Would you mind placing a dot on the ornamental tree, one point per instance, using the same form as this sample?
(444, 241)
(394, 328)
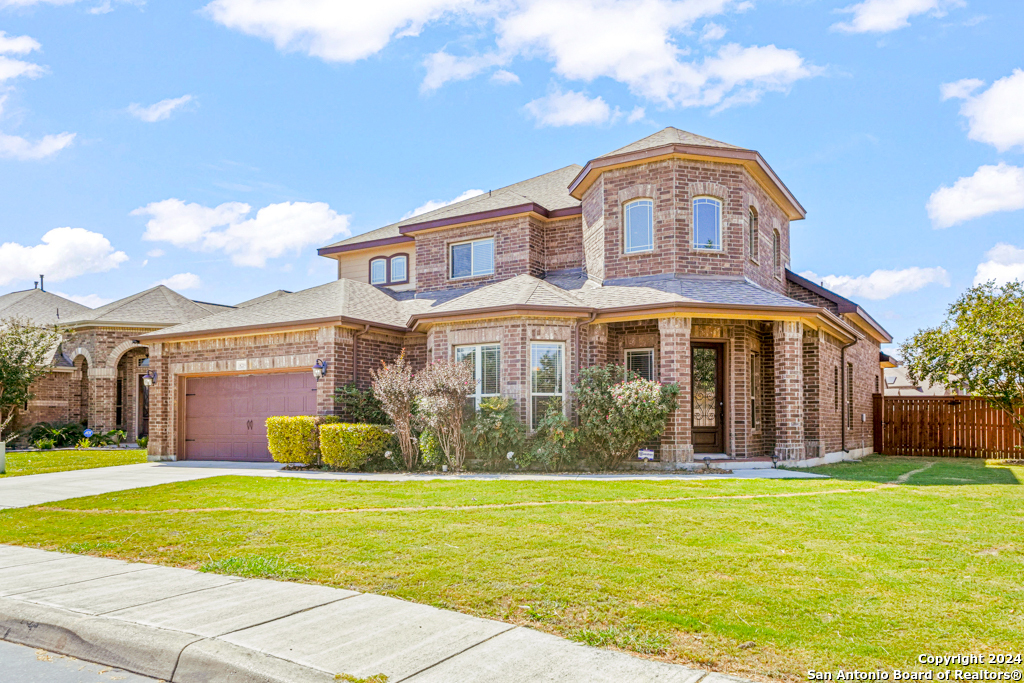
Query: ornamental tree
(394, 389)
(26, 354)
(978, 348)
(442, 389)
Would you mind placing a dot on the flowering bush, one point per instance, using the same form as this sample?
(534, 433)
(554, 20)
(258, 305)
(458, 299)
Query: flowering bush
(441, 390)
(394, 389)
(495, 431)
(619, 412)
(555, 445)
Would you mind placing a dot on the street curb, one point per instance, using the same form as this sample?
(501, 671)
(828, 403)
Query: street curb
(217, 661)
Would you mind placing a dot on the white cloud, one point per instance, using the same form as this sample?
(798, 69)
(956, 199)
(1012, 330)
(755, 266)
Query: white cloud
(989, 190)
(569, 109)
(15, 68)
(443, 67)
(18, 45)
(712, 32)
(881, 284)
(995, 116)
(504, 77)
(160, 111)
(182, 281)
(276, 230)
(155, 253)
(1005, 263)
(90, 300)
(64, 253)
(636, 115)
(15, 147)
(437, 204)
(882, 16)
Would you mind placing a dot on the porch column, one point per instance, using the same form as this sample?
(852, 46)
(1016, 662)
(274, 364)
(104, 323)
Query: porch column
(676, 442)
(162, 437)
(333, 345)
(789, 390)
(102, 398)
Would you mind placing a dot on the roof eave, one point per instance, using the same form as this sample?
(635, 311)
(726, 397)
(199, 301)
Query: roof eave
(844, 305)
(266, 328)
(359, 246)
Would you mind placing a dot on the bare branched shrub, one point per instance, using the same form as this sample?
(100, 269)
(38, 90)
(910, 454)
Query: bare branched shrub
(394, 388)
(442, 388)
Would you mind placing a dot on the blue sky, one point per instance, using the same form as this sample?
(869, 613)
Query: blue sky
(216, 145)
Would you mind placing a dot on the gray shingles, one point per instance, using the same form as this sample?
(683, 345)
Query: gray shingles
(158, 306)
(41, 308)
(670, 136)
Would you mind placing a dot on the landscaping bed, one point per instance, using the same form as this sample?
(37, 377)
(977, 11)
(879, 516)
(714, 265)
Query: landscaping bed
(20, 463)
(763, 578)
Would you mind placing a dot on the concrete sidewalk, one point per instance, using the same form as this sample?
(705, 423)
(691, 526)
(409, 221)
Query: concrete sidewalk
(187, 627)
(36, 489)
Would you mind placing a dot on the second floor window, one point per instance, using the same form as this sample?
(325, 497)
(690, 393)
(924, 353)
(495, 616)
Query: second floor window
(707, 223)
(754, 239)
(389, 270)
(470, 259)
(379, 271)
(639, 225)
(777, 253)
(399, 269)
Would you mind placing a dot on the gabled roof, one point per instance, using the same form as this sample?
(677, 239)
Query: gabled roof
(156, 307)
(40, 307)
(340, 301)
(670, 136)
(523, 291)
(549, 192)
(261, 299)
(845, 307)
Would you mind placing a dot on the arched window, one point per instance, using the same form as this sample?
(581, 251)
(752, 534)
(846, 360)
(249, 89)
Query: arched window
(777, 253)
(378, 271)
(707, 223)
(639, 225)
(399, 269)
(753, 236)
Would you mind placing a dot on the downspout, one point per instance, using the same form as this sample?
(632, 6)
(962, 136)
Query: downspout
(842, 395)
(355, 354)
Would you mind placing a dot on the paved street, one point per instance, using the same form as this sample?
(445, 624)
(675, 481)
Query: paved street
(23, 664)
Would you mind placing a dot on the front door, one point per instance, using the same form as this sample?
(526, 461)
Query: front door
(708, 398)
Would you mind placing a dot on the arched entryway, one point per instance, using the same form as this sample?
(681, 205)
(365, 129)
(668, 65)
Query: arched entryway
(131, 395)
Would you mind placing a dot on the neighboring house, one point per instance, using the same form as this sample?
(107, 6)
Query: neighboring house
(97, 372)
(897, 383)
(670, 255)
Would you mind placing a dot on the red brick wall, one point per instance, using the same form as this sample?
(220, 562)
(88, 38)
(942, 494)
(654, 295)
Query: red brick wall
(563, 244)
(52, 399)
(795, 291)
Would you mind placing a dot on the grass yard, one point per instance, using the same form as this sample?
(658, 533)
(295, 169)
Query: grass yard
(40, 462)
(754, 577)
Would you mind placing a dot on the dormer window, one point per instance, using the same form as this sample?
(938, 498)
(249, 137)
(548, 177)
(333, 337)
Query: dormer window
(379, 271)
(399, 268)
(389, 270)
(639, 225)
(473, 259)
(707, 223)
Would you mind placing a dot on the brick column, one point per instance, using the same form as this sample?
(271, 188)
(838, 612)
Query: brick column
(334, 346)
(161, 445)
(789, 390)
(102, 398)
(676, 442)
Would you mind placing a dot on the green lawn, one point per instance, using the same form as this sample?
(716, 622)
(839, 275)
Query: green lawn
(847, 572)
(38, 462)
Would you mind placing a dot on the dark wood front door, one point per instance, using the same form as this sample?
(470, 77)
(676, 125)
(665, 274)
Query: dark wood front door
(708, 398)
(225, 417)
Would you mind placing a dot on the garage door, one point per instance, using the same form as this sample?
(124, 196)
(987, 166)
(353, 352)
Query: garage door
(225, 417)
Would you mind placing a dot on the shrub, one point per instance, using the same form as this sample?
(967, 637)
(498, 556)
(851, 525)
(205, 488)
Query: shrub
(430, 449)
(360, 406)
(349, 445)
(618, 412)
(62, 434)
(296, 438)
(116, 436)
(495, 431)
(395, 391)
(84, 443)
(143, 441)
(441, 389)
(45, 444)
(555, 445)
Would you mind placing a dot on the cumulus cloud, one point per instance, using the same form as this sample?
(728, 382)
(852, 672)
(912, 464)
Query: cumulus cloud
(1005, 263)
(275, 230)
(881, 284)
(437, 204)
(569, 109)
(635, 42)
(16, 147)
(504, 77)
(182, 281)
(90, 300)
(160, 111)
(991, 189)
(712, 32)
(62, 254)
(18, 45)
(995, 116)
(883, 16)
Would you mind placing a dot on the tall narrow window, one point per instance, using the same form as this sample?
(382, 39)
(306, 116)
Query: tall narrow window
(471, 259)
(835, 389)
(486, 362)
(378, 271)
(755, 390)
(876, 384)
(707, 223)
(849, 395)
(752, 237)
(641, 361)
(639, 225)
(777, 253)
(399, 269)
(547, 382)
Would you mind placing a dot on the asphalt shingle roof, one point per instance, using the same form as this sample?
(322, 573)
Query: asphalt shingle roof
(669, 136)
(265, 297)
(640, 291)
(158, 307)
(520, 290)
(42, 308)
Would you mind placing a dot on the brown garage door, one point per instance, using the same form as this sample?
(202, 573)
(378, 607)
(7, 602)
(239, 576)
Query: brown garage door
(225, 417)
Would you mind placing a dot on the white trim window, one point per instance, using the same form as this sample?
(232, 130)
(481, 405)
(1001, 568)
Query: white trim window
(754, 236)
(641, 361)
(638, 224)
(547, 378)
(472, 259)
(755, 390)
(486, 361)
(378, 271)
(707, 223)
(777, 253)
(399, 268)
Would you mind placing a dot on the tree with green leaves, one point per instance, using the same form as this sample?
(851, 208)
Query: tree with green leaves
(26, 354)
(979, 348)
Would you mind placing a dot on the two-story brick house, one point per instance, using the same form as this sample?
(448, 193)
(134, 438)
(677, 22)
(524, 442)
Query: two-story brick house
(670, 255)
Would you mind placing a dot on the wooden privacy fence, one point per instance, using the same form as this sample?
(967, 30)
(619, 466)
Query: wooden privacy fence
(943, 426)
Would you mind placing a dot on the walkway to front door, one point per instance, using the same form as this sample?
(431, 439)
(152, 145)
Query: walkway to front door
(708, 398)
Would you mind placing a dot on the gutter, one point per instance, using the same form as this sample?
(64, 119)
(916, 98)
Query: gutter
(267, 328)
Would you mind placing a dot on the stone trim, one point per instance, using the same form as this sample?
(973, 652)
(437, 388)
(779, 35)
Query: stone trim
(639, 191)
(244, 365)
(120, 350)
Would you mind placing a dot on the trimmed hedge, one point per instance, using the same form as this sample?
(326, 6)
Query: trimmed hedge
(296, 439)
(348, 446)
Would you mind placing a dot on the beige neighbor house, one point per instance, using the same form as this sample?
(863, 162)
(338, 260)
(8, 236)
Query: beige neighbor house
(669, 255)
(97, 372)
